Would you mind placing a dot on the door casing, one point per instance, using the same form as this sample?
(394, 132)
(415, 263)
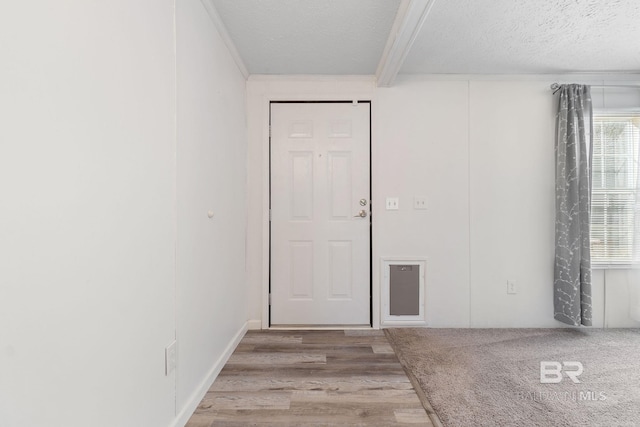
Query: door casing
(371, 265)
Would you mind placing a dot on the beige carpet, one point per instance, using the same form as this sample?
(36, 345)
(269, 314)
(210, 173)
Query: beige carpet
(491, 377)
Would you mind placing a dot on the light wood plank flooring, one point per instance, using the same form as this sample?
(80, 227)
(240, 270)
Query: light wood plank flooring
(311, 378)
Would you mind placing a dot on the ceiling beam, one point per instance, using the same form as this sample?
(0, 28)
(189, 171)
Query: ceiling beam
(406, 27)
(226, 38)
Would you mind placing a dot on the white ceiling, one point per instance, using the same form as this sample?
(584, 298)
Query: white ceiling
(528, 37)
(434, 36)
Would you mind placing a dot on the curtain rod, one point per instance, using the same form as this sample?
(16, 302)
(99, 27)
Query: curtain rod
(556, 86)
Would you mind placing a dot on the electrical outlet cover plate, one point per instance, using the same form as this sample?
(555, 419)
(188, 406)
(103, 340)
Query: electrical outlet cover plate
(393, 204)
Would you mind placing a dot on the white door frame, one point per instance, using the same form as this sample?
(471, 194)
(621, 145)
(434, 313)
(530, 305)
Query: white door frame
(331, 94)
(370, 207)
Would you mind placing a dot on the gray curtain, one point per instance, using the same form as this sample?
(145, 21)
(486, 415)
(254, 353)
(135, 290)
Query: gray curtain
(572, 275)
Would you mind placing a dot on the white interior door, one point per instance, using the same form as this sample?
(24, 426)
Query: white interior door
(320, 214)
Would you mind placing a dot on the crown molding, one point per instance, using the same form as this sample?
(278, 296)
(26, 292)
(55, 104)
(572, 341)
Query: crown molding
(226, 38)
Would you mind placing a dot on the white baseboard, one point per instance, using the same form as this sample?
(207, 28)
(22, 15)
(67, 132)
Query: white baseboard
(403, 324)
(254, 325)
(194, 400)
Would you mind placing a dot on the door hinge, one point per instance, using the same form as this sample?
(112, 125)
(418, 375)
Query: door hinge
(269, 131)
(269, 214)
(269, 299)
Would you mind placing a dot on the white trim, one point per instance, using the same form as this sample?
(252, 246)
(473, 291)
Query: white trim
(593, 78)
(403, 323)
(266, 176)
(409, 21)
(194, 400)
(323, 328)
(254, 325)
(303, 96)
(376, 180)
(312, 78)
(586, 78)
(261, 90)
(226, 38)
(174, 201)
(384, 63)
(615, 266)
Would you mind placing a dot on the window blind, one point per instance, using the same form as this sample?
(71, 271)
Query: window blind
(615, 205)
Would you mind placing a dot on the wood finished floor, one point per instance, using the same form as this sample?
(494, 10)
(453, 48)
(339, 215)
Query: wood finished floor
(311, 378)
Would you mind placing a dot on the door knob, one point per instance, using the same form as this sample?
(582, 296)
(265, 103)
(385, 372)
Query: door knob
(361, 214)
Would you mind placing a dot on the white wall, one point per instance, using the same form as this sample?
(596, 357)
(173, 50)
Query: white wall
(512, 177)
(421, 149)
(106, 251)
(211, 294)
(481, 150)
(87, 171)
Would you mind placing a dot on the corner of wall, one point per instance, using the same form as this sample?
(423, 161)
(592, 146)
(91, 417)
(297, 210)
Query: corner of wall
(194, 399)
(254, 325)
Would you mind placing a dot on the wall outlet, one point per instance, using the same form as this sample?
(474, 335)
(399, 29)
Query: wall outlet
(170, 358)
(420, 202)
(512, 289)
(393, 203)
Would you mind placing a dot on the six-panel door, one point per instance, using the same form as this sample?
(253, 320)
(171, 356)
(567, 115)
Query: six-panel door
(320, 214)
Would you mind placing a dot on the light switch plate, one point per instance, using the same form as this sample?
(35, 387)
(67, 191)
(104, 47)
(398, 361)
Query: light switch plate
(420, 202)
(393, 203)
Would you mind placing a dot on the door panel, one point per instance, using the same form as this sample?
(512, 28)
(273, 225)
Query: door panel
(340, 192)
(320, 246)
(301, 185)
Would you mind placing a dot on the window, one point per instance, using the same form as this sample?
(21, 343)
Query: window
(615, 205)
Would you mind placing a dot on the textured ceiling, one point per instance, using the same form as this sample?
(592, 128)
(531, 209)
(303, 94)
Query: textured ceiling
(457, 36)
(528, 36)
(309, 36)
